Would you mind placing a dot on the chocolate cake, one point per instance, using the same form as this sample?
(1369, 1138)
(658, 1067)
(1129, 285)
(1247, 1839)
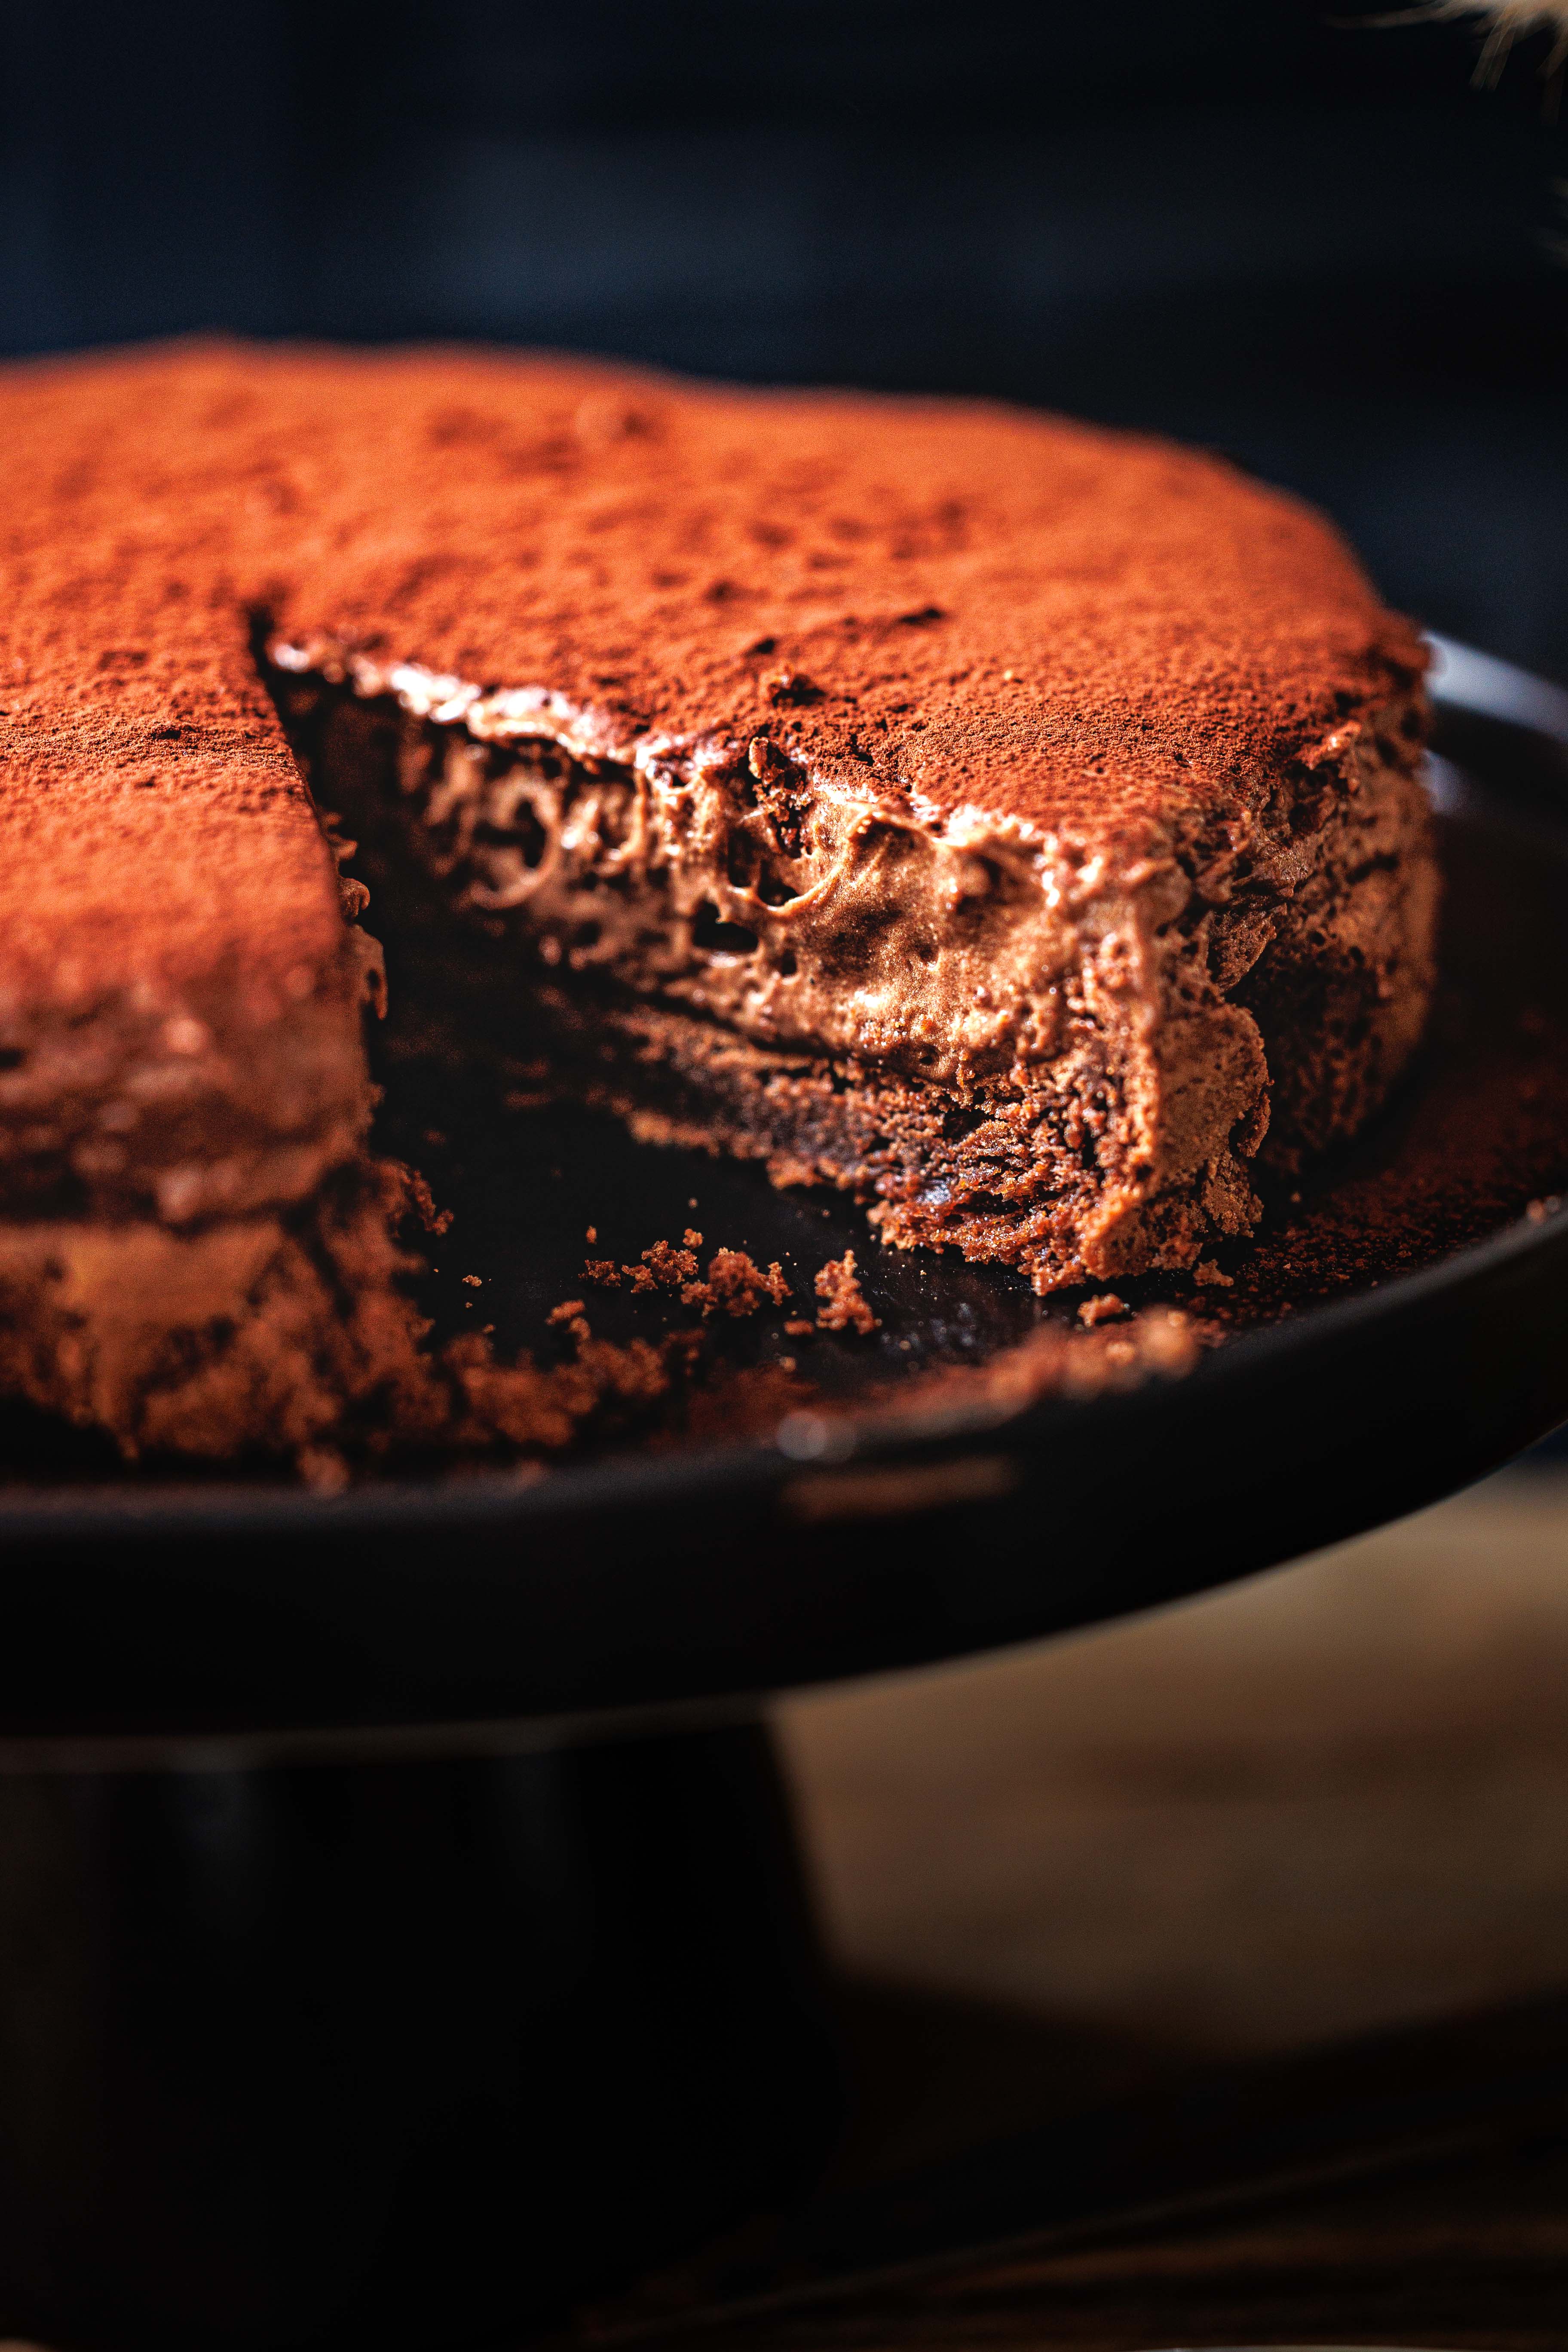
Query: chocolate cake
(1014, 824)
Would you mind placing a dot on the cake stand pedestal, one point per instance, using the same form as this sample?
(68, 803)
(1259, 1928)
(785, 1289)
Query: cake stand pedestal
(409, 2053)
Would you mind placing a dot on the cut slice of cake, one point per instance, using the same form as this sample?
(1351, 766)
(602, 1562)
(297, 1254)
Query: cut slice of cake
(1015, 823)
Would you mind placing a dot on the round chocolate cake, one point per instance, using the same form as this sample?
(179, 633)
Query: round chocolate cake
(1014, 825)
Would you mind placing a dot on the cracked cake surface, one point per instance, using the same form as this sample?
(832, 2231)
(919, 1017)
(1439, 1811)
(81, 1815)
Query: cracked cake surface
(1013, 823)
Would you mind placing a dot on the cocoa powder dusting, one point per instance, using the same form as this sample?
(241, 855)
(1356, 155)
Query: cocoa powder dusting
(973, 529)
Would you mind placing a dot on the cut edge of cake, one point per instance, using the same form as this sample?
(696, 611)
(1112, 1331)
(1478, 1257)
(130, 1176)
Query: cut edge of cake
(1058, 1054)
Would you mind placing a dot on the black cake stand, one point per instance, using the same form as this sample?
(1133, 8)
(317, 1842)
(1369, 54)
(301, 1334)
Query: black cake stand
(400, 1928)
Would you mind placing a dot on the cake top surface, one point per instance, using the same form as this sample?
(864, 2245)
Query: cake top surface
(946, 606)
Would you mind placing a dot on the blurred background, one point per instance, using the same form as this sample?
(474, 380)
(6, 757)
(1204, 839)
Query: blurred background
(1330, 1802)
(1262, 225)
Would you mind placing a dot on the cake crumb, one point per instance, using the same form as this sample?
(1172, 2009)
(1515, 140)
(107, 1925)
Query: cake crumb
(1538, 1211)
(663, 1268)
(592, 1235)
(322, 1468)
(735, 1285)
(522, 1404)
(566, 1312)
(1210, 1276)
(1103, 1309)
(735, 1282)
(845, 1306)
(798, 1330)
(474, 1281)
(433, 1220)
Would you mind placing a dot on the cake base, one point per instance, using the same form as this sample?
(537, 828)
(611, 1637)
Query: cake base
(1006, 1182)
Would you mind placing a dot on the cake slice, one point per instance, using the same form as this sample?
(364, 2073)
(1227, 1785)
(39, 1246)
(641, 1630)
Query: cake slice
(1014, 824)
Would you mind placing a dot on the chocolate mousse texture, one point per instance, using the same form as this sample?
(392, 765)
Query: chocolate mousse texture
(1014, 824)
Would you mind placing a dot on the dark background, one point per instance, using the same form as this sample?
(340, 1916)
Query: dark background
(1318, 247)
